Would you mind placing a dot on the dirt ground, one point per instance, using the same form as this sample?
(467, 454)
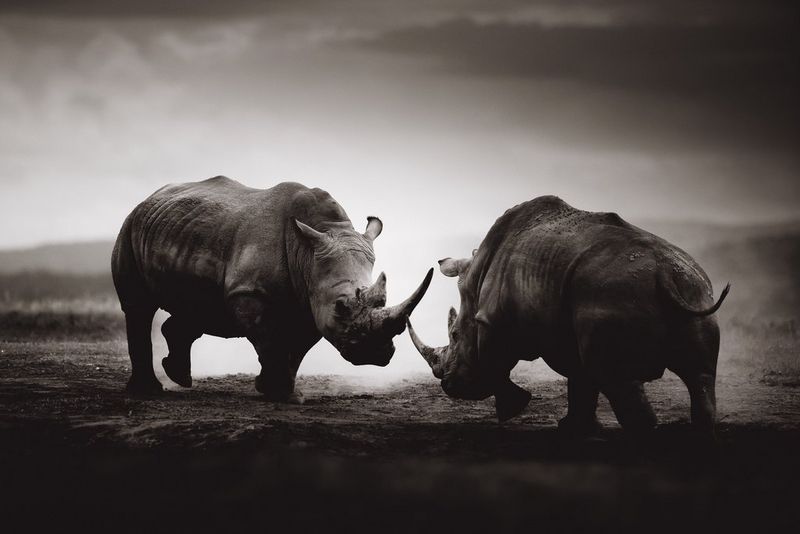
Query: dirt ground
(77, 452)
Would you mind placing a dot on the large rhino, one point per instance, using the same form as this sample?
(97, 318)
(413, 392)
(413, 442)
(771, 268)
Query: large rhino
(281, 266)
(604, 303)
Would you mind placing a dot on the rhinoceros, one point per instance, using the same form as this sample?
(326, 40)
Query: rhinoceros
(602, 302)
(282, 267)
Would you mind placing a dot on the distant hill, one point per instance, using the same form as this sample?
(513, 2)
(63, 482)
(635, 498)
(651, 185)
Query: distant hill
(708, 242)
(90, 257)
(694, 236)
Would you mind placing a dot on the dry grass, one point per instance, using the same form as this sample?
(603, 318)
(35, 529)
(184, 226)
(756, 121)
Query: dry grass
(44, 305)
(83, 318)
(764, 348)
(767, 348)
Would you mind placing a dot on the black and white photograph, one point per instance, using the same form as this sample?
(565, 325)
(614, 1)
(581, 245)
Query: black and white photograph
(467, 266)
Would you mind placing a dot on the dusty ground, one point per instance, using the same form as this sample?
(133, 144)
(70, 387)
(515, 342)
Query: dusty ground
(76, 450)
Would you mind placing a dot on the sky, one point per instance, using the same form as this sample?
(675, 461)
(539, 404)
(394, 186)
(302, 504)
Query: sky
(434, 115)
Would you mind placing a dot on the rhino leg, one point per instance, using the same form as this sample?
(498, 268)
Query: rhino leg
(180, 334)
(694, 351)
(279, 364)
(138, 322)
(630, 405)
(279, 345)
(581, 419)
(702, 394)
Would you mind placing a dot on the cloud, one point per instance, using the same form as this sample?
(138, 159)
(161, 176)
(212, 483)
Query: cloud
(136, 8)
(745, 73)
(660, 57)
(209, 43)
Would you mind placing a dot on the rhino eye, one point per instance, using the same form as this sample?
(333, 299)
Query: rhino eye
(341, 309)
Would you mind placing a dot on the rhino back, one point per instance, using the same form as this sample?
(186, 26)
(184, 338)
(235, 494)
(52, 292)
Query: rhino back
(529, 251)
(189, 246)
(543, 259)
(523, 266)
(184, 239)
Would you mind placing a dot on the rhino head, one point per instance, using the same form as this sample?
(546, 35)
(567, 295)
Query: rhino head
(473, 364)
(349, 309)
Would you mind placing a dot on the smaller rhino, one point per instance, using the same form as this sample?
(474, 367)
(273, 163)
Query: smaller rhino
(604, 303)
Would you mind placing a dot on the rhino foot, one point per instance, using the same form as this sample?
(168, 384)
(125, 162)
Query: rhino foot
(278, 394)
(179, 374)
(295, 398)
(579, 427)
(144, 387)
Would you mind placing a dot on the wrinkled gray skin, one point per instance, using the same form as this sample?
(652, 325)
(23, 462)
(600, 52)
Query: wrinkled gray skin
(281, 266)
(604, 303)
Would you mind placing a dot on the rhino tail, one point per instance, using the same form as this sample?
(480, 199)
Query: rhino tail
(667, 285)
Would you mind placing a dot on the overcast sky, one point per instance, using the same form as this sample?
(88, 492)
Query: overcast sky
(452, 111)
(434, 115)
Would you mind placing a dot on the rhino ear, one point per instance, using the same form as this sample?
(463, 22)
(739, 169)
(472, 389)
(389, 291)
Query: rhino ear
(448, 267)
(308, 233)
(451, 318)
(451, 267)
(374, 228)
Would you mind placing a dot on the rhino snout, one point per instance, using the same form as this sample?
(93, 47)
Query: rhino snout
(380, 356)
(455, 386)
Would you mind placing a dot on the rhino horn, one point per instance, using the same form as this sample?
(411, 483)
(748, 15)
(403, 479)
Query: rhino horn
(375, 295)
(393, 319)
(434, 356)
(398, 314)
